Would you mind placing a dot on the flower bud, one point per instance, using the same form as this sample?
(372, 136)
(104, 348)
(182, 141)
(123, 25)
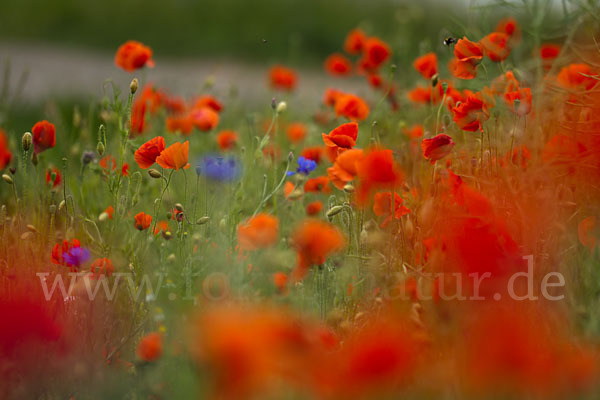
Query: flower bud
(100, 149)
(203, 220)
(61, 205)
(27, 140)
(281, 107)
(133, 86)
(103, 217)
(434, 80)
(349, 188)
(154, 173)
(7, 179)
(335, 210)
(179, 207)
(31, 228)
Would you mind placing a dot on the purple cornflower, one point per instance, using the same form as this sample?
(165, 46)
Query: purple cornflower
(219, 168)
(305, 166)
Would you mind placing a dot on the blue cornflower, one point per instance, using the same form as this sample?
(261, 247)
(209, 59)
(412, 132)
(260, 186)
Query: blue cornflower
(76, 256)
(305, 166)
(219, 168)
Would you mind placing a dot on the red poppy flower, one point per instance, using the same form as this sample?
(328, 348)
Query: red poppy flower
(345, 168)
(138, 117)
(110, 212)
(204, 118)
(142, 221)
(420, 95)
(375, 80)
(180, 123)
(375, 53)
(377, 170)
(208, 101)
(5, 154)
(355, 41)
(549, 52)
(258, 232)
(227, 140)
(102, 267)
(520, 156)
(146, 155)
(175, 156)
(340, 139)
(150, 347)
(426, 65)
(283, 78)
(352, 107)
(44, 136)
(314, 208)
(313, 153)
(414, 132)
(524, 97)
(382, 206)
(467, 56)
(53, 177)
(510, 27)
(437, 147)
(133, 55)
(108, 163)
(577, 76)
(338, 65)
(471, 114)
(320, 184)
(314, 241)
(331, 95)
(280, 280)
(496, 46)
(296, 132)
(60, 248)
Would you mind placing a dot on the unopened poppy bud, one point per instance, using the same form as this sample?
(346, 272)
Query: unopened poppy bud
(154, 173)
(281, 107)
(333, 211)
(348, 188)
(179, 207)
(444, 86)
(7, 179)
(100, 149)
(133, 86)
(434, 80)
(203, 220)
(34, 159)
(393, 67)
(295, 195)
(103, 217)
(61, 205)
(290, 156)
(26, 141)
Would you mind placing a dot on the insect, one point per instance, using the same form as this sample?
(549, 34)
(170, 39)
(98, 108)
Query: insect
(449, 40)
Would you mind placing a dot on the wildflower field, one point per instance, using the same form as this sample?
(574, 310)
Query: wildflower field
(427, 227)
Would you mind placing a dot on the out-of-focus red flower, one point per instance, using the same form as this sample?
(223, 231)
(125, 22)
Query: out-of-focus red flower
(110, 210)
(338, 65)
(150, 347)
(138, 117)
(108, 163)
(524, 97)
(352, 107)
(180, 123)
(345, 168)
(102, 267)
(375, 53)
(133, 55)
(355, 42)
(314, 241)
(204, 118)
(587, 231)
(382, 207)
(548, 53)
(471, 114)
(510, 27)
(340, 139)
(5, 154)
(437, 147)
(283, 78)
(520, 156)
(426, 65)
(331, 95)
(375, 80)
(145, 156)
(142, 221)
(280, 280)
(175, 156)
(208, 101)
(496, 46)
(577, 77)
(258, 232)
(377, 170)
(296, 132)
(314, 208)
(414, 132)
(227, 140)
(320, 184)
(53, 177)
(60, 248)
(44, 136)
(313, 153)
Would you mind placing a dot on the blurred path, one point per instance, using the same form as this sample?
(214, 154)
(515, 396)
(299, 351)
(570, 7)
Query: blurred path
(62, 71)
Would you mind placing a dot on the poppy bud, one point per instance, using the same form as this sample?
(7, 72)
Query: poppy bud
(133, 86)
(203, 220)
(223, 223)
(61, 205)
(434, 80)
(103, 217)
(154, 173)
(27, 140)
(179, 207)
(333, 211)
(281, 107)
(7, 179)
(348, 188)
(290, 156)
(100, 149)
